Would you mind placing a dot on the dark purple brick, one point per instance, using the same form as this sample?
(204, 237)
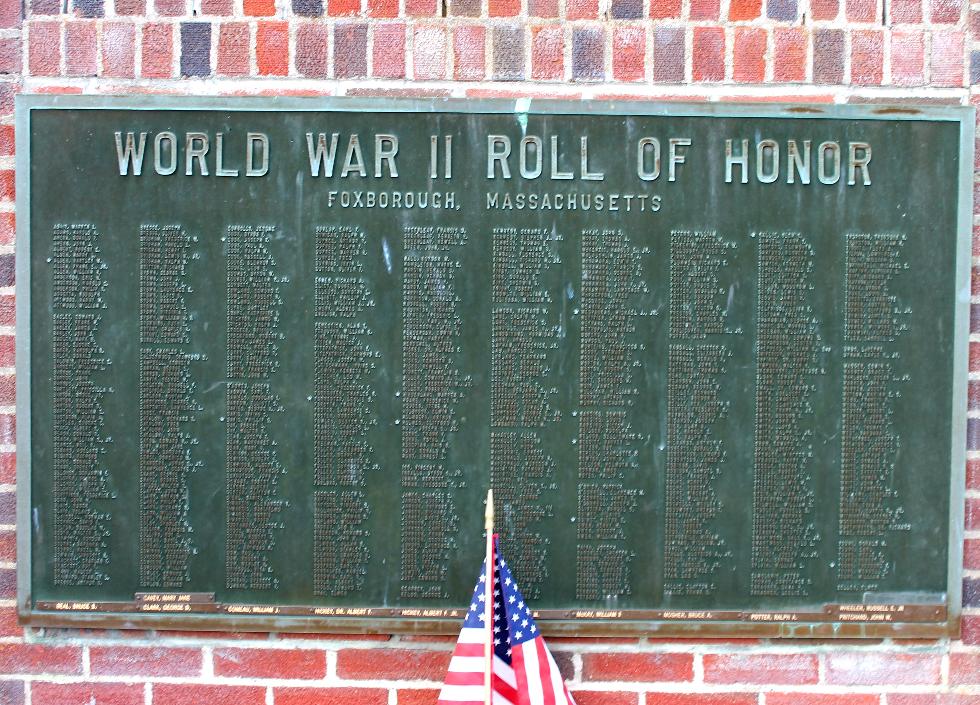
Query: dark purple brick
(465, 8)
(588, 57)
(89, 8)
(975, 318)
(308, 8)
(46, 7)
(782, 10)
(627, 9)
(974, 68)
(971, 592)
(508, 53)
(195, 48)
(566, 666)
(668, 54)
(828, 55)
(8, 507)
(973, 434)
(6, 270)
(11, 692)
(350, 50)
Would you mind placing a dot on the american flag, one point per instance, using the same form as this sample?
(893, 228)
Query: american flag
(524, 673)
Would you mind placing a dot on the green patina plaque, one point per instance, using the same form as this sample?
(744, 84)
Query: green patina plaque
(273, 353)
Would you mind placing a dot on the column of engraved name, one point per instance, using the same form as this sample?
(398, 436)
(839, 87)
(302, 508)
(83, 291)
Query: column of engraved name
(344, 411)
(168, 409)
(697, 359)
(252, 464)
(81, 480)
(608, 445)
(874, 320)
(783, 531)
(525, 336)
(432, 387)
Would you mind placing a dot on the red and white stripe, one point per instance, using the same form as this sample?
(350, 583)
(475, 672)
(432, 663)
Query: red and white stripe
(465, 684)
(538, 676)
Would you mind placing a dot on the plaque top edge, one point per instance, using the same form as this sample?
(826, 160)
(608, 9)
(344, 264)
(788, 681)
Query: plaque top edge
(640, 106)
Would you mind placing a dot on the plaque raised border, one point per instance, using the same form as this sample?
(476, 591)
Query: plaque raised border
(922, 620)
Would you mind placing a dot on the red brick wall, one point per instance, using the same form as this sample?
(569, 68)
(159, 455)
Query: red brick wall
(836, 51)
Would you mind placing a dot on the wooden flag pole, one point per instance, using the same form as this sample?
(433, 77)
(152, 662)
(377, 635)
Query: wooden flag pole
(488, 602)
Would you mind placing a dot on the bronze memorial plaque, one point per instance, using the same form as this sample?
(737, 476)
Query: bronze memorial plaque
(272, 353)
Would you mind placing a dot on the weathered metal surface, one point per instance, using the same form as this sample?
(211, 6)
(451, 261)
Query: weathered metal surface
(272, 353)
